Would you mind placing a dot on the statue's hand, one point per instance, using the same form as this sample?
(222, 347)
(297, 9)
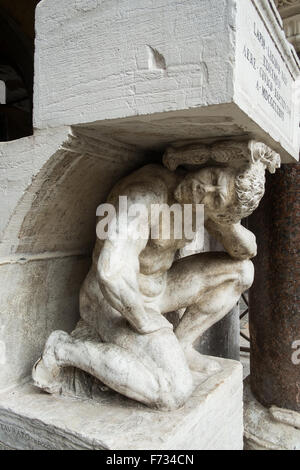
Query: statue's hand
(238, 241)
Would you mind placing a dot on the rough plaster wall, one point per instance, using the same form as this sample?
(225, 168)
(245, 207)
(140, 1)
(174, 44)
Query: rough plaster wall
(159, 55)
(57, 212)
(20, 161)
(36, 298)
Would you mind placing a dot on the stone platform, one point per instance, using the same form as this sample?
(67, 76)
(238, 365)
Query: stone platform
(211, 419)
(263, 429)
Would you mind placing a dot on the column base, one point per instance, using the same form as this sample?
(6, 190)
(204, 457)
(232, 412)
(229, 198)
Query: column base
(269, 428)
(212, 419)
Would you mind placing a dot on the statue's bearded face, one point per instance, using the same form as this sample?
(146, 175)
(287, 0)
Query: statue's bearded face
(214, 187)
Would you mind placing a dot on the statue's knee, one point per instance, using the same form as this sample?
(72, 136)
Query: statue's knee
(246, 274)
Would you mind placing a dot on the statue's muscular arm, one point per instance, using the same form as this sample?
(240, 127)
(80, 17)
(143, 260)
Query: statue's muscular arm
(239, 242)
(118, 269)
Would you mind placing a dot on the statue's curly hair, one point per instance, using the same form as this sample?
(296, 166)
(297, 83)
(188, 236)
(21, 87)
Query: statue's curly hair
(250, 182)
(249, 190)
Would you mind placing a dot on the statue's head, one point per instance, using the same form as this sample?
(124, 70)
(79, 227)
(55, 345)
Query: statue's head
(230, 193)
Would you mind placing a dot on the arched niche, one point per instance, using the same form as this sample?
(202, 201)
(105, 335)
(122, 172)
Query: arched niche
(53, 183)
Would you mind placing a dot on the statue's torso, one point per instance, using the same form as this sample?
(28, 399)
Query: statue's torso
(152, 184)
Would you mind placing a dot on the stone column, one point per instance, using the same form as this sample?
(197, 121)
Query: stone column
(223, 338)
(274, 296)
(274, 317)
(272, 398)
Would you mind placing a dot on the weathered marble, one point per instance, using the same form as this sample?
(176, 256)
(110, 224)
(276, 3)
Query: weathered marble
(124, 338)
(212, 419)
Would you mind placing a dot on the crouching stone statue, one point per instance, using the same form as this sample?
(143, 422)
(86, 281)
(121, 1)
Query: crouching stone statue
(123, 338)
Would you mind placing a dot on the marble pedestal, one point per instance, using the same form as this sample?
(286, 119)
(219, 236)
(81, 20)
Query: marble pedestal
(211, 419)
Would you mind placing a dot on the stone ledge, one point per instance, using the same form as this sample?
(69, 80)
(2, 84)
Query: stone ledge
(262, 431)
(211, 419)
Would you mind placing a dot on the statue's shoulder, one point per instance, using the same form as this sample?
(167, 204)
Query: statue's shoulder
(153, 178)
(153, 172)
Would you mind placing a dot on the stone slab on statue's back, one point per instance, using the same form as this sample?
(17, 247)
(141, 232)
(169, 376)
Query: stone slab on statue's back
(157, 72)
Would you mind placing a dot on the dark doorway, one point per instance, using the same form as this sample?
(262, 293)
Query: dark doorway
(16, 67)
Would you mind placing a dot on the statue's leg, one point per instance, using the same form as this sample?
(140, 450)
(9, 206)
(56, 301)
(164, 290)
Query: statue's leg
(151, 368)
(112, 365)
(209, 284)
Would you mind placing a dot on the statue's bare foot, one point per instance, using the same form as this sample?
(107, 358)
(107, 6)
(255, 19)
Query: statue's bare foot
(199, 363)
(46, 371)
